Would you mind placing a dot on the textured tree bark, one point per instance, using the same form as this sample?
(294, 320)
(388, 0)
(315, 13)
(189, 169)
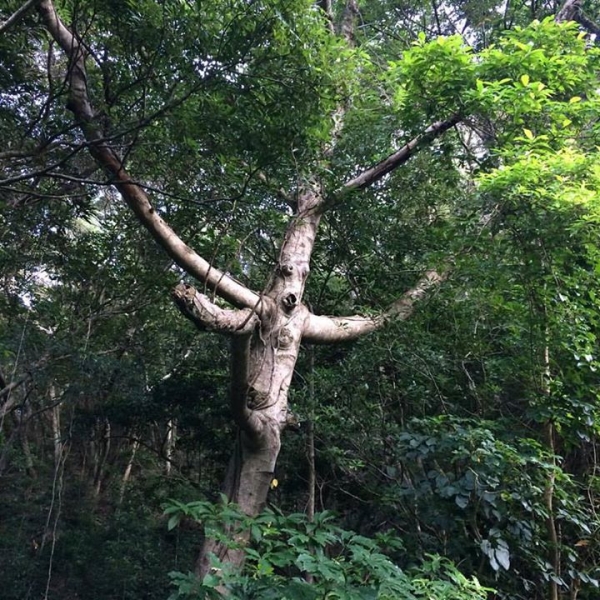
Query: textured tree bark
(572, 10)
(263, 363)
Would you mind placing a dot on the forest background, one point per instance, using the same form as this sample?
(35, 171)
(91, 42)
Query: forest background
(435, 163)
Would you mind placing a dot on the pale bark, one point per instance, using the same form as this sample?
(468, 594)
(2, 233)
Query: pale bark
(206, 315)
(347, 26)
(56, 428)
(12, 400)
(127, 473)
(572, 10)
(568, 11)
(26, 448)
(170, 444)
(549, 489)
(101, 457)
(327, 9)
(329, 330)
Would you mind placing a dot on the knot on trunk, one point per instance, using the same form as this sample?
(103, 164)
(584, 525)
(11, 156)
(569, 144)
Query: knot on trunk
(289, 302)
(285, 338)
(257, 400)
(286, 269)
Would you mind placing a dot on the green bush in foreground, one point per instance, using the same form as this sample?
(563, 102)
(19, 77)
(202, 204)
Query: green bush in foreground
(292, 558)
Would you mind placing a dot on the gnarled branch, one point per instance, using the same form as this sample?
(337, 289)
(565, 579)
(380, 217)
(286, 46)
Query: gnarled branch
(328, 330)
(572, 10)
(207, 316)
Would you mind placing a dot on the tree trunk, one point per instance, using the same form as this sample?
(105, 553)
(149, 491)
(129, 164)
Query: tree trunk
(310, 441)
(128, 468)
(170, 445)
(263, 360)
(101, 457)
(56, 427)
(247, 483)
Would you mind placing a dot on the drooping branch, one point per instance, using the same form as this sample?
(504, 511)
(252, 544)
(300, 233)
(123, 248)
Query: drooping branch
(328, 330)
(398, 158)
(325, 6)
(135, 197)
(239, 324)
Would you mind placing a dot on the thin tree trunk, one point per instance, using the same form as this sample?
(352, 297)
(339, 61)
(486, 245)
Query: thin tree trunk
(312, 473)
(4, 457)
(310, 447)
(56, 428)
(550, 521)
(170, 445)
(549, 434)
(310, 440)
(102, 458)
(128, 468)
(24, 440)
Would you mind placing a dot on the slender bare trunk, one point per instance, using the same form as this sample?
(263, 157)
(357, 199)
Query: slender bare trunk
(310, 440)
(310, 447)
(127, 474)
(549, 435)
(102, 457)
(170, 445)
(26, 448)
(4, 456)
(56, 428)
(550, 521)
(312, 473)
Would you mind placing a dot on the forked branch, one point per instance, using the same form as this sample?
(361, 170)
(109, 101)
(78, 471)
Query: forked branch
(136, 198)
(207, 316)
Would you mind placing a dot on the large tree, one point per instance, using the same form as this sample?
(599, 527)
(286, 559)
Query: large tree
(279, 102)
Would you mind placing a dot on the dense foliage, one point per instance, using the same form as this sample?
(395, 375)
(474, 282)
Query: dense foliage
(444, 456)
